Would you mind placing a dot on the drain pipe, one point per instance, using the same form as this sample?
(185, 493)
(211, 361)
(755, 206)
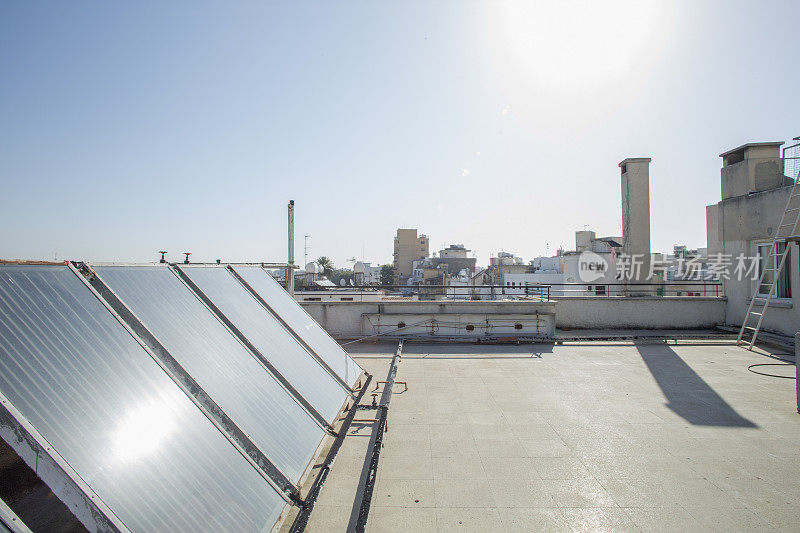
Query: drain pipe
(371, 467)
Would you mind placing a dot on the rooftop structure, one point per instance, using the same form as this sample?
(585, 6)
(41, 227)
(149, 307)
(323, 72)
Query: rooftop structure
(642, 436)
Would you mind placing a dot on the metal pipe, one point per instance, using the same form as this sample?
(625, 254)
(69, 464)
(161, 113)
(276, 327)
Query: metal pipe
(371, 468)
(290, 268)
(301, 520)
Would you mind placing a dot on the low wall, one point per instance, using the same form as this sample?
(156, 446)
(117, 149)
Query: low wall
(617, 312)
(520, 318)
(442, 318)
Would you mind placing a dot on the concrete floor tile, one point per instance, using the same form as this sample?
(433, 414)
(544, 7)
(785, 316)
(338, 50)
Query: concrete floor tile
(543, 520)
(458, 468)
(639, 493)
(560, 468)
(466, 520)
(398, 519)
(580, 493)
(510, 447)
(508, 467)
(532, 493)
(463, 493)
(406, 447)
(405, 467)
(326, 518)
(403, 493)
(724, 520)
(786, 519)
(546, 448)
(598, 520)
(663, 519)
(450, 431)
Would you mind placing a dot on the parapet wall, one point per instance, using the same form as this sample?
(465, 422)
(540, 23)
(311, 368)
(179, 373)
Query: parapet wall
(515, 318)
(692, 312)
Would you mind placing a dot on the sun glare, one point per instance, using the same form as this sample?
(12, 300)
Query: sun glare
(563, 45)
(142, 431)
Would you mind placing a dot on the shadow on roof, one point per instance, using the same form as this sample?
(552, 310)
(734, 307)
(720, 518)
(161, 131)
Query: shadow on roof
(688, 395)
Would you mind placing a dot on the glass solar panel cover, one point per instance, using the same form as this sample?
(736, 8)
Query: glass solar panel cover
(112, 413)
(271, 338)
(225, 369)
(301, 322)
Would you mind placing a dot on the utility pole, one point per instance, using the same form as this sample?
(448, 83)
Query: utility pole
(290, 267)
(305, 249)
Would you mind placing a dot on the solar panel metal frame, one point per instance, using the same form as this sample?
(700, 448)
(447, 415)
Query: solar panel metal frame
(10, 521)
(263, 302)
(55, 471)
(218, 417)
(255, 352)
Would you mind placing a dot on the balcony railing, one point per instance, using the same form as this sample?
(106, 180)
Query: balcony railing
(537, 292)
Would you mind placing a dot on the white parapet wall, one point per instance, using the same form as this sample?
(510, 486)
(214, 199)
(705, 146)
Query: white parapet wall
(439, 318)
(515, 318)
(670, 312)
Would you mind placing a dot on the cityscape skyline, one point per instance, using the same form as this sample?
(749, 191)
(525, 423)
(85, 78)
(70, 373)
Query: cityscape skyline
(189, 127)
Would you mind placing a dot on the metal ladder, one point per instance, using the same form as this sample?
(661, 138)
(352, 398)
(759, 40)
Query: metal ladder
(781, 236)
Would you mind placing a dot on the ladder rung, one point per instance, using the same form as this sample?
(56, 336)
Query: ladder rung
(794, 208)
(787, 225)
(748, 327)
(754, 313)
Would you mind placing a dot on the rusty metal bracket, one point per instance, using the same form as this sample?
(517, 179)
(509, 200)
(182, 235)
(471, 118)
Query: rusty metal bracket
(403, 383)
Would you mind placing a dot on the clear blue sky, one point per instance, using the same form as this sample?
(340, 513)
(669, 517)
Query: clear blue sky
(125, 129)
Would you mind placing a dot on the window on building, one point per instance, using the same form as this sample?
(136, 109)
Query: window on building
(783, 289)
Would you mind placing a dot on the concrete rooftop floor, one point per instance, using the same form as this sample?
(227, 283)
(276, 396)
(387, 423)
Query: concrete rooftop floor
(575, 437)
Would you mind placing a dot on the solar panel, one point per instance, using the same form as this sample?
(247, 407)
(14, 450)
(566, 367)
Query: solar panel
(104, 405)
(219, 363)
(271, 338)
(301, 322)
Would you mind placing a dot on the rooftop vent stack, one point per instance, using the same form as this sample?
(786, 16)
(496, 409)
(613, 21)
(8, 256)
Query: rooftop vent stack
(290, 267)
(163, 258)
(636, 216)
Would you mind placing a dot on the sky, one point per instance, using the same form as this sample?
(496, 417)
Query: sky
(128, 128)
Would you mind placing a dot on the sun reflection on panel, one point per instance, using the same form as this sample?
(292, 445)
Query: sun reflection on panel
(142, 431)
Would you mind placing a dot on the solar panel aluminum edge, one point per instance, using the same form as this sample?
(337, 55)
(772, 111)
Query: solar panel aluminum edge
(85, 384)
(219, 363)
(301, 322)
(271, 338)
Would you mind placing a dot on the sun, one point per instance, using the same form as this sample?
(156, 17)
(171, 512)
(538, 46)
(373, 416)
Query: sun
(567, 44)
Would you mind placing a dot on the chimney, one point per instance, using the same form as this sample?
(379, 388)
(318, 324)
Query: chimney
(290, 268)
(636, 214)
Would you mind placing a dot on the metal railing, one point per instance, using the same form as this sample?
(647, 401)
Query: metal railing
(537, 292)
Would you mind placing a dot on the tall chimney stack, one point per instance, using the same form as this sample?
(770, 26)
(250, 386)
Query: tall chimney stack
(290, 268)
(636, 215)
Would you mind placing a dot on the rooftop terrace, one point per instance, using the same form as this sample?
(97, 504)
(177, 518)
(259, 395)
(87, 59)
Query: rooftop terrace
(589, 436)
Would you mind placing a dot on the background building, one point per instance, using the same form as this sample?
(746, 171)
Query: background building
(366, 274)
(754, 195)
(408, 247)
